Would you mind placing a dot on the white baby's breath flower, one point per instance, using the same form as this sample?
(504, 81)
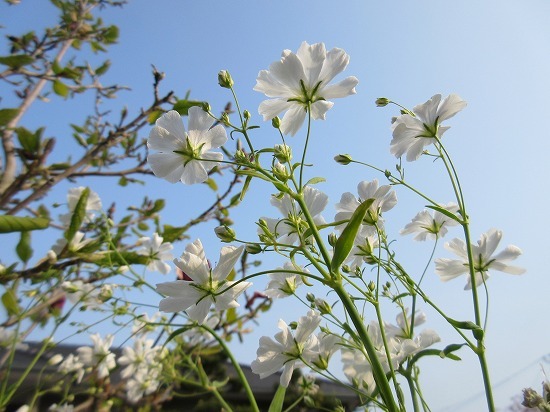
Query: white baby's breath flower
(411, 134)
(301, 80)
(431, 225)
(284, 284)
(72, 364)
(185, 156)
(287, 350)
(483, 256)
(99, 356)
(75, 244)
(157, 251)
(198, 295)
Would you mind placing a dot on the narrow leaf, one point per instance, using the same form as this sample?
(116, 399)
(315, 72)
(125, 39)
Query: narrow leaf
(344, 244)
(60, 88)
(20, 224)
(278, 400)
(16, 61)
(445, 212)
(9, 301)
(23, 248)
(315, 180)
(79, 213)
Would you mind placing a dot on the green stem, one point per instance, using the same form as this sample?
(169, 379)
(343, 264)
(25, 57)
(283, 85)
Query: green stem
(378, 371)
(238, 369)
(307, 141)
(295, 403)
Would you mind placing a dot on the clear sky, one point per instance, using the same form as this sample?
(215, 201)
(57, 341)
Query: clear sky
(494, 54)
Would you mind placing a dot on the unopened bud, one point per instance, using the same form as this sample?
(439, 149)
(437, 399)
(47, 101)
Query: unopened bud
(323, 306)
(382, 101)
(225, 233)
(293, 325)
(253, 248)
(531, 399)
(224, 79)
(332, 239)
(55, 359)
(283, 153)
(372, 286)
(246, 115)
(225, 119)
(241, 157)
(280, 172)
(276, 122)
(310, 297)
(206, 107)
(343, 159)
(346, 269)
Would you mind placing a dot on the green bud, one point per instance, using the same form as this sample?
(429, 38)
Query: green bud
(206, 107)
(382, 101)
(225, 119)
(225, 234)
(280, 172)
(253, 248)
(372, 286)
(531, 399)
(241, 157)
(323, 306)
(224, 79)
(293, 325)
(283, 153)
(343, 159)
(276, 122)
(310, 297)
(246, 115)
(346, 269)
(332, 239)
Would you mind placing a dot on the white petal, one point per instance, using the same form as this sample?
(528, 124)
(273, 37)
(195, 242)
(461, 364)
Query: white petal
(511, 270)
(164, 141)
(172, 122)
(319, 108)
(510, 253)
(228, 257)
(448, 269)
(199, 312)
(194, 172)
(199, 119)
(217, 136)
(272, 107)
(312, 58)
(343, 88)
(336, 62)
(427, 112)
(450, 106)
(266, 83)
(293, 120)
(289, 71)
(166, 165)
(287, 374)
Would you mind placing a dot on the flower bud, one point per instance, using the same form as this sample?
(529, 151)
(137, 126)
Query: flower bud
(283, 153)
(241, 157)
(310, 297)
(225, 80)
(343, 159)
(55, 359)
(280, 172)
(346, 268)
(372, 286)
(206, 107)
(246, 115)
(225, 233)
(276, 122)
(531, 399)
(332, 239)
(293, 325)
(382, 101)
(323, 306)
(253, 248)
(225, 119)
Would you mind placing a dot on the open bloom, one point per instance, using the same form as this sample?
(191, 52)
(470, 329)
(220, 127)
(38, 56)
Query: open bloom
(384, 200)
(283, 284)
(411, 134)
(203, 290)
(99, 356)
(301, 80)
(287, 229)
(287, 351)
(431, 226)
(483, 256)
(185, 155)
(157, 251)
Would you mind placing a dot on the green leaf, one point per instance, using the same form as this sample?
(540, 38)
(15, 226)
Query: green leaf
(183, 106)
(21, 224)
(60, 88)
(344, 244)
(9, 300)
(173, 233)
(7, 115)
(278, 400)
(154, 115)
(445, 212)
(23, 248)
(211, 184)
(315, 180)
(29, 141)
(103, 68)
(110, 35)
(157, 207)
(79, 213)
(245, 189)
(16, 61)
(462, 324)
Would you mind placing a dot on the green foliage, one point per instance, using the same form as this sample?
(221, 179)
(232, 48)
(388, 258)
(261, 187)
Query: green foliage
(20, 224)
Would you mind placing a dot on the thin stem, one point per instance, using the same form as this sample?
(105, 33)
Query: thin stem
(305, 145)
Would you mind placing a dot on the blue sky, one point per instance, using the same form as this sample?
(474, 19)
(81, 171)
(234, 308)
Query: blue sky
(494, 54)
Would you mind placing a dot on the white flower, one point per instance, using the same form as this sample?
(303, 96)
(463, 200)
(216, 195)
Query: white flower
(287, 351)
(98, 357)
(72, 364)
(364, 247)
(200, 336)
(301, 79)
(61, 408)
(142, 383)
(93, 205)
(483, 257)
(85, 293)
(140, 356)
(357, 368)
(198, 295)
(412, 133)
(294, 221)
(144, 324)
(75, 244)
(157, 251)
(428, 226)
(284, 284)
(384, 200)
(185, 155)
